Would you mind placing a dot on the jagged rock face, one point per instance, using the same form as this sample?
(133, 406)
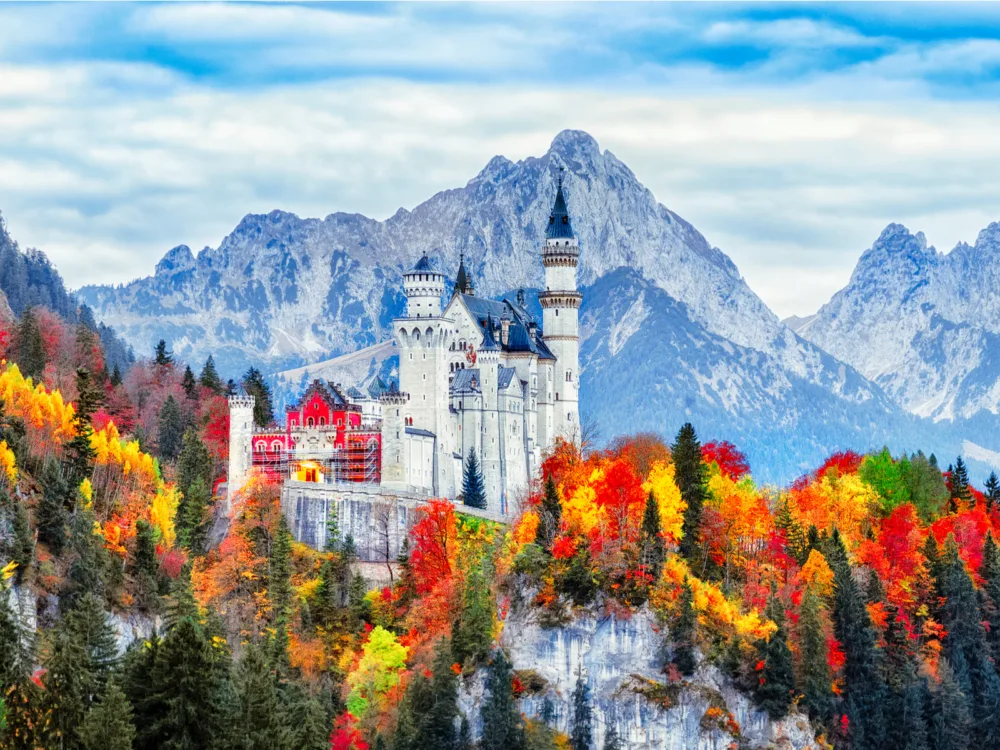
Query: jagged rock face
(923, 325)
(621, 659)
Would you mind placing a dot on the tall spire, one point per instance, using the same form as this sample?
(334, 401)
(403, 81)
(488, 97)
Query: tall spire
(559, 226)
(463, 284)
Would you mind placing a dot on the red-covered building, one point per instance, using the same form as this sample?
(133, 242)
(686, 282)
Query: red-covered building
(324, 440)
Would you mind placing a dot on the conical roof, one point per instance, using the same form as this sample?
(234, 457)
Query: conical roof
(559, 226)
(463, 285)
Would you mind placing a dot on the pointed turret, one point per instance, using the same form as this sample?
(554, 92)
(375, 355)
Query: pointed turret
(559, 224)
(463, 284)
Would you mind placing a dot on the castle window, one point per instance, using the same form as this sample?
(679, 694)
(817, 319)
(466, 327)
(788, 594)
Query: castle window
(310, 422)
(322, 421)
(293, 422)
(557, 395)
(557, 312)
(569, 376)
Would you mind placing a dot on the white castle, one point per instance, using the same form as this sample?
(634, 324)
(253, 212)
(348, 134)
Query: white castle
(477, 375)
(481, 375)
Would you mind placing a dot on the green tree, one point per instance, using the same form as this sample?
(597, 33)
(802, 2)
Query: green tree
(958, 483)
(80, 453)
(612, 741)
(795, 536)
(907, 690)
(992, 488)
(28, 350)
(209, 377)
(883, 475)
(464, 735)
(689, 473)
(683, 631)
(145, 566)
(170, 430)
(949, 717)
(990, 572)
(116, 376)
(814, 670)
(928, 491)
(332, 543)
(502, 725)
(472, 629)
(51, 513)
(90, 559)
(255, 385)
(188, 383)
(777, 681)
(853, 628)
(16, 658)
(257, 722)
(279, 593)
(581, 735)
(550, 515)
(194, 462)
(108, 724)
(473, 486)
(653, 549)
(161, 357)
(310, 725)
(191, 531)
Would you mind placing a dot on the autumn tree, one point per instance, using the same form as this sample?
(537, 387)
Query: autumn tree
(473, 486)
(690, 478)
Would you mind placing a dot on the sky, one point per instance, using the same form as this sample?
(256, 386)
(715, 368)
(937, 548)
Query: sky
(788, 134)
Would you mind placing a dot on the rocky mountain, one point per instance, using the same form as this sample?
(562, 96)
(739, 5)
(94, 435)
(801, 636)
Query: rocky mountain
(922, 324)
(671, 330)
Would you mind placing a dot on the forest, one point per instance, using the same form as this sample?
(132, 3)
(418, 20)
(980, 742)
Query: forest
(138, 611)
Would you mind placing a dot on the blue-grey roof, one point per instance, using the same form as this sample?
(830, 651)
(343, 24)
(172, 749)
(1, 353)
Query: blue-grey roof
(543, 350)
(424, 264)
(377, 387)
(506, 375)
(488, 345)
(559, 226)
(419, 432)
(466, 381)
(355, 394)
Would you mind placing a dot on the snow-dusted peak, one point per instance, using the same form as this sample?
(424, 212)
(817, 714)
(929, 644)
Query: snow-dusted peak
(176, 259)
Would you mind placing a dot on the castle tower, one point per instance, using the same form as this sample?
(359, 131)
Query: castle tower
(240, 443)
(394, 468)
(560, 317)
(423, 338)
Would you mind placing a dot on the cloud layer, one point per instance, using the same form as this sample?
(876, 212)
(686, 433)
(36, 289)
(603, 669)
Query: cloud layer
(790, 137)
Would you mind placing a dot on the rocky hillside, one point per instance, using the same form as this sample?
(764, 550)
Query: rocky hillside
(922, 324)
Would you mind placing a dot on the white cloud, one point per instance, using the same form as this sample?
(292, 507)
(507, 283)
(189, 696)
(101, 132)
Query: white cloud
(787, 32)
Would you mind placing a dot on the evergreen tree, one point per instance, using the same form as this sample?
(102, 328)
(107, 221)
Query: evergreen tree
(777, 681)
(689, 473)
(194, 463)
(438, 730)
(170, 430)
(279, 593)
(612, 741)
(19, 548)
(990, 572)
(464, 735)
(145, 566)
(161, 357)
(417, 703)
(795, 536)
(907, 690)
(86, 572)
(209, 377)
(814, 670)
(473, 486)
(310, 726)
(80, 452)
(550, 515)
(502, 726)
(28, 350)
(332, 543)
(853, 628)
(472, 629)
(360, 607)
(992, 488)
(257, 724)
(949, 716)
(108, 724)
(16, 658)
(581, 735)
(188, 383)
(653, 549)
(928, 491)
(182, 707)
(254, 385)
(116, 376)
(51, 514)
(191, 530)
(683, 631)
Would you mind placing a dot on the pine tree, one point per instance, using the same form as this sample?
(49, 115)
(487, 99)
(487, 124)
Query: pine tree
(907, 690)
(472, 630)
(438, 730)
(29, 350)
(81, 453)
(21, 546)
(86, 572)
(990, 572)
(194, 463)
(581, 735)
(188, 383)
(209, 377)
(473, 486)
(464, 735)
(332, 543)
(170, 430)
(279, 594)
(551, 514)
(183, 702)
(161, 357)
(254, 385)
(108, 724)
(795, 537)
(612, 741)
(814, 670)
(416, 705)
(853, 628)
(191, 530)
(689, 473)
(51, 514)
(992, 488)
(310, 726)
(502, 726)
(145, 566)
(116, 376)
(653, 548)
(257, 722)
(949, 716)
(16, 658)
(777, 682)
(683, 632)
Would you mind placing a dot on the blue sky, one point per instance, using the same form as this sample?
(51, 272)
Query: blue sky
(788, 134)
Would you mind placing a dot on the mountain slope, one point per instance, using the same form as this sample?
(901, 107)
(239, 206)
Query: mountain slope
(923, 325)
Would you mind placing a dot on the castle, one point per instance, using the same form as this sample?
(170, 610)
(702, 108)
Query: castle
(474, 375)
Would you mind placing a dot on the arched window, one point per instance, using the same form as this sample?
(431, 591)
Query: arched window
(310, 422)
(322, 421)
(276, 446)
